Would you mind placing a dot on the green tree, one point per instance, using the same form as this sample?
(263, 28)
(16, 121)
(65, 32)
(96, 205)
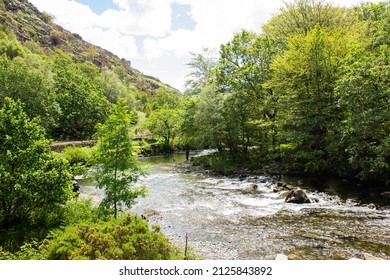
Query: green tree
(34, 183)
(81, 98)
(34, 87)
(364, 89)
(165, 124)
(243, 70)
(165, 100)
(116, 163)
(305, 77)
(203, 125)
(202, 73)
(114, 89)
(301, 16)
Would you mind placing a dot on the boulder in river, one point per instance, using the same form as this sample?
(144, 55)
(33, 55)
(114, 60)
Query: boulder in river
(385, 194)
(148, 213)
(250, 188)
(297, 195)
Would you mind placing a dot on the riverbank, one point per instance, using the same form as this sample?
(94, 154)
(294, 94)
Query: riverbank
(220, 163)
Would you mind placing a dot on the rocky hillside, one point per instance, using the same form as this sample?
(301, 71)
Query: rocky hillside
(29, 24)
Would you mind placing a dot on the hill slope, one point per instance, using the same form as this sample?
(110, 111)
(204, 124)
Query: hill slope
(29, 24)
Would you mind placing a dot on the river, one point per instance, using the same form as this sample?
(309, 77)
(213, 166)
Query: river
(224, 220)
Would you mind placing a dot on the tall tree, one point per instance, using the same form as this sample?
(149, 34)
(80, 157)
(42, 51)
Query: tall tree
(202, 67)
(33, 181)
(364, 89)
(243, 70)
(305, 77)
(165, 123)
(116, 163)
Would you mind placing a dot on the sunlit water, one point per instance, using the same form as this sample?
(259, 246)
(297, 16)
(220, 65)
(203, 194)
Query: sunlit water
(225, 220)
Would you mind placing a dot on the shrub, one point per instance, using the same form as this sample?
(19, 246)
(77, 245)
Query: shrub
(77, 155)
(125, 238)
(80, 210)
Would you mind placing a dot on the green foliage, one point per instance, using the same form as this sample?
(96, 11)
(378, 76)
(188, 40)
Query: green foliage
(34, 87)
(77, 155)
(28, 251)
(304, 77)
(164, 100)
(113, 87)
(79, 158)
(224, 163)
(80, 211)
(116, 164)
(34, 183)
(202, 67)
(82, 102)
(364, 87)
(164, 123)
(299, 17)
(125, 238)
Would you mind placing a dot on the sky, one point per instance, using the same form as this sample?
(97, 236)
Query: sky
(158, 36)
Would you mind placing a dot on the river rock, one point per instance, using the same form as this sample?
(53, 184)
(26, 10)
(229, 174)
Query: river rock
(297, 196)
(386, 194)
(369, 257)
(250, 188)
(281, 257)
(294, 256)
(148, 213)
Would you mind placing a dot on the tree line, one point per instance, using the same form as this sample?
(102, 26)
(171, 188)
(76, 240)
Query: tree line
(311, 92)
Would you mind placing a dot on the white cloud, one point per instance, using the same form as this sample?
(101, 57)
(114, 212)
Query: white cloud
(150, 20)
(139, 17)
(113, 29)
(216, 22)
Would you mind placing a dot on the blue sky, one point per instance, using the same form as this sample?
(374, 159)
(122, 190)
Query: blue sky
(157, 36)
(99, 6)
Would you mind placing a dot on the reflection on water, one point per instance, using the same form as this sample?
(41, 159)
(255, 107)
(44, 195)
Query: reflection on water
(225, 219)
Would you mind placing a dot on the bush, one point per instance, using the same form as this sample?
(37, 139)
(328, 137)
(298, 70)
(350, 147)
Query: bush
(78, 158)
(77, 155)
(29, 251)
(125, 238)
(80, 210)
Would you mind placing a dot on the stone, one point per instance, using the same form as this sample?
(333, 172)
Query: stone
(250, 188)
(386, 194)
(148, 213)
(281, 257)
(298, 196)
(369, 257)
(293, 256)
(339, 256)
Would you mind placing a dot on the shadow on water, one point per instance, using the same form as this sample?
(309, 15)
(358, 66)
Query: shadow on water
(226, 219)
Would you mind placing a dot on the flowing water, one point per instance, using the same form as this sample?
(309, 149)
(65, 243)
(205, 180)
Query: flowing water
(225, 219)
